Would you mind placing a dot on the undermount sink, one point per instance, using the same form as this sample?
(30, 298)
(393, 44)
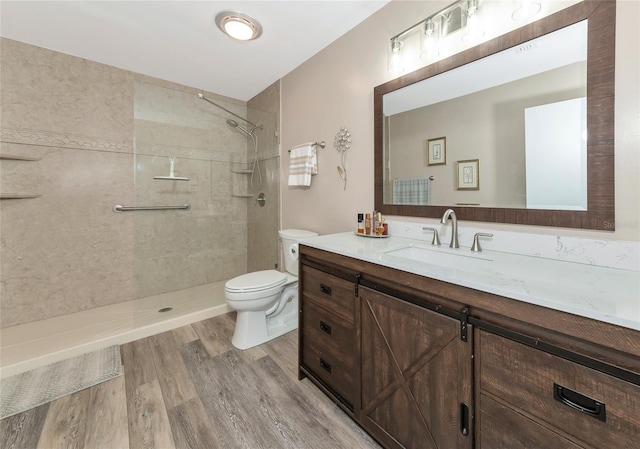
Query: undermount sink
(442, 258)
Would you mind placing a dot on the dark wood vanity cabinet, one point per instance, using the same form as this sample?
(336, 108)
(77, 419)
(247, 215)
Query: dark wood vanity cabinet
(402, 371)
(416, 375)
(530, 399)
(421, 363)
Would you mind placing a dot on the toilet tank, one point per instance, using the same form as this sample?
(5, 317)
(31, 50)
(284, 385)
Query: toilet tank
(290, 239)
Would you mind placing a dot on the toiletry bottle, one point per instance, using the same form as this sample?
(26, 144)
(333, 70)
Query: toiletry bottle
(360, 223)
(367, 224)
(379, 228)
(373, 222)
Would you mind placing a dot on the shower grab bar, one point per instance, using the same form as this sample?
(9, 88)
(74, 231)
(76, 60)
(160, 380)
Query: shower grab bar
(119, 208)
(320, 144)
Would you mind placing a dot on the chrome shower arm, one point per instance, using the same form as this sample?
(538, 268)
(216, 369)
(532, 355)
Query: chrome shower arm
(201, 96)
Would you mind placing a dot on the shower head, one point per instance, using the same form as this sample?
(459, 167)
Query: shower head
(231, 122)
(234, 124)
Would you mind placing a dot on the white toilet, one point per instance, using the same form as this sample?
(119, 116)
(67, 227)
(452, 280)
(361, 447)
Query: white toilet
(267, 301)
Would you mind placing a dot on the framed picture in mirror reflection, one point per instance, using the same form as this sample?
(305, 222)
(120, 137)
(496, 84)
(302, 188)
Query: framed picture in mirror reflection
(437, 151)
(469, 174)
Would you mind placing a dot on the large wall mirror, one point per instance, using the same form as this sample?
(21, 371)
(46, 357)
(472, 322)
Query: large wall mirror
(528, 140)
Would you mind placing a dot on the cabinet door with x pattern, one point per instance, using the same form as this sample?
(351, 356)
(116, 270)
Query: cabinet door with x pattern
(416, 375)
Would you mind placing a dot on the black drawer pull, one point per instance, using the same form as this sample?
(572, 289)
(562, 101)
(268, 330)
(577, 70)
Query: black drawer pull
(464, 419)
(325, 289)
(579, 402)
(324, 327)
(326, 366)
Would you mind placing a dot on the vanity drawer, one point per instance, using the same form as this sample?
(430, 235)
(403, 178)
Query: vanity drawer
(330, 331)
(336, 371)
(551, 390)
(330, 291)
(503, 428)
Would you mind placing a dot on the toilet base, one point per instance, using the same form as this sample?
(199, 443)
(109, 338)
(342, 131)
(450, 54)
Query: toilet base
(254, 328)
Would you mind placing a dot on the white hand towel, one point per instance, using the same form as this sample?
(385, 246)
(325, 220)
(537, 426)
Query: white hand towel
(303, 162)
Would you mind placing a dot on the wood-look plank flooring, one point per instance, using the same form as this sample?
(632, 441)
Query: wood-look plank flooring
(190, 389)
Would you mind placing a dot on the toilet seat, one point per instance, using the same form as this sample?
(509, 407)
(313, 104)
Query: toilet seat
(256, 281)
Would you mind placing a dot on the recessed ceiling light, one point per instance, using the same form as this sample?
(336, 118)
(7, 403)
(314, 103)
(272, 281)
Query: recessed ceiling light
(238, 25)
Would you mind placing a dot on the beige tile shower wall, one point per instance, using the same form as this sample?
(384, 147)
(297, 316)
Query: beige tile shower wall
(174, 250)
(66, 250)
(264, 222)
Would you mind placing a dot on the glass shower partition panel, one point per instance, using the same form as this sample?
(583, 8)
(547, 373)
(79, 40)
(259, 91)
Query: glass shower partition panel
(187, 156)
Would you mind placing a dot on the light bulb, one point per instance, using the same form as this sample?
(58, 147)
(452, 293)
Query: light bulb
(429, 43)
(238, 29)
(395, 56)
(474, 31)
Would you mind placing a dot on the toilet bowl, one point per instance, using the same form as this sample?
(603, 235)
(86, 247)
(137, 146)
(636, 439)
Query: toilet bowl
(267, 301)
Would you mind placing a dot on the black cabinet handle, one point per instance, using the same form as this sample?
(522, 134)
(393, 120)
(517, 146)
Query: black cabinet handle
(464, 419)
(325, 289)
(326, 366)
(324, 327)
(580, 402)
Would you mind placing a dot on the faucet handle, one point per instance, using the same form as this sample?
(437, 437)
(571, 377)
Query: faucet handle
(436, 239)
(476, 242)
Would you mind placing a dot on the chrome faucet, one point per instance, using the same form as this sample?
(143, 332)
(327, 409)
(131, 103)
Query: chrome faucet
(454, 227)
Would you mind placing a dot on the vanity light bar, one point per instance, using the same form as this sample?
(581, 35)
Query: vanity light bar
(444, 22)
(460, 15)
(445, 13)
(442, 13)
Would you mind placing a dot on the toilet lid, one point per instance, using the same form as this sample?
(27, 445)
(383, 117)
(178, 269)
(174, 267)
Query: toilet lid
(258, 280)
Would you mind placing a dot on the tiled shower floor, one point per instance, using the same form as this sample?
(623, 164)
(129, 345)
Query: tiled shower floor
(40, 343)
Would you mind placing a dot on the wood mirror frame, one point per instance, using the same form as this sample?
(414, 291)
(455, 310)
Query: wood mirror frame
(600, 213)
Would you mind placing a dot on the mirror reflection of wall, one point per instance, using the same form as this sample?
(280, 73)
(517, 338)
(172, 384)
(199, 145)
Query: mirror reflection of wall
(488, 125)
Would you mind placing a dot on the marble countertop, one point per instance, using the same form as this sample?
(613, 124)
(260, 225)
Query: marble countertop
(607, 294)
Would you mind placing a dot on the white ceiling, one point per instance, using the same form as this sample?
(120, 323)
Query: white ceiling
(178, 40)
